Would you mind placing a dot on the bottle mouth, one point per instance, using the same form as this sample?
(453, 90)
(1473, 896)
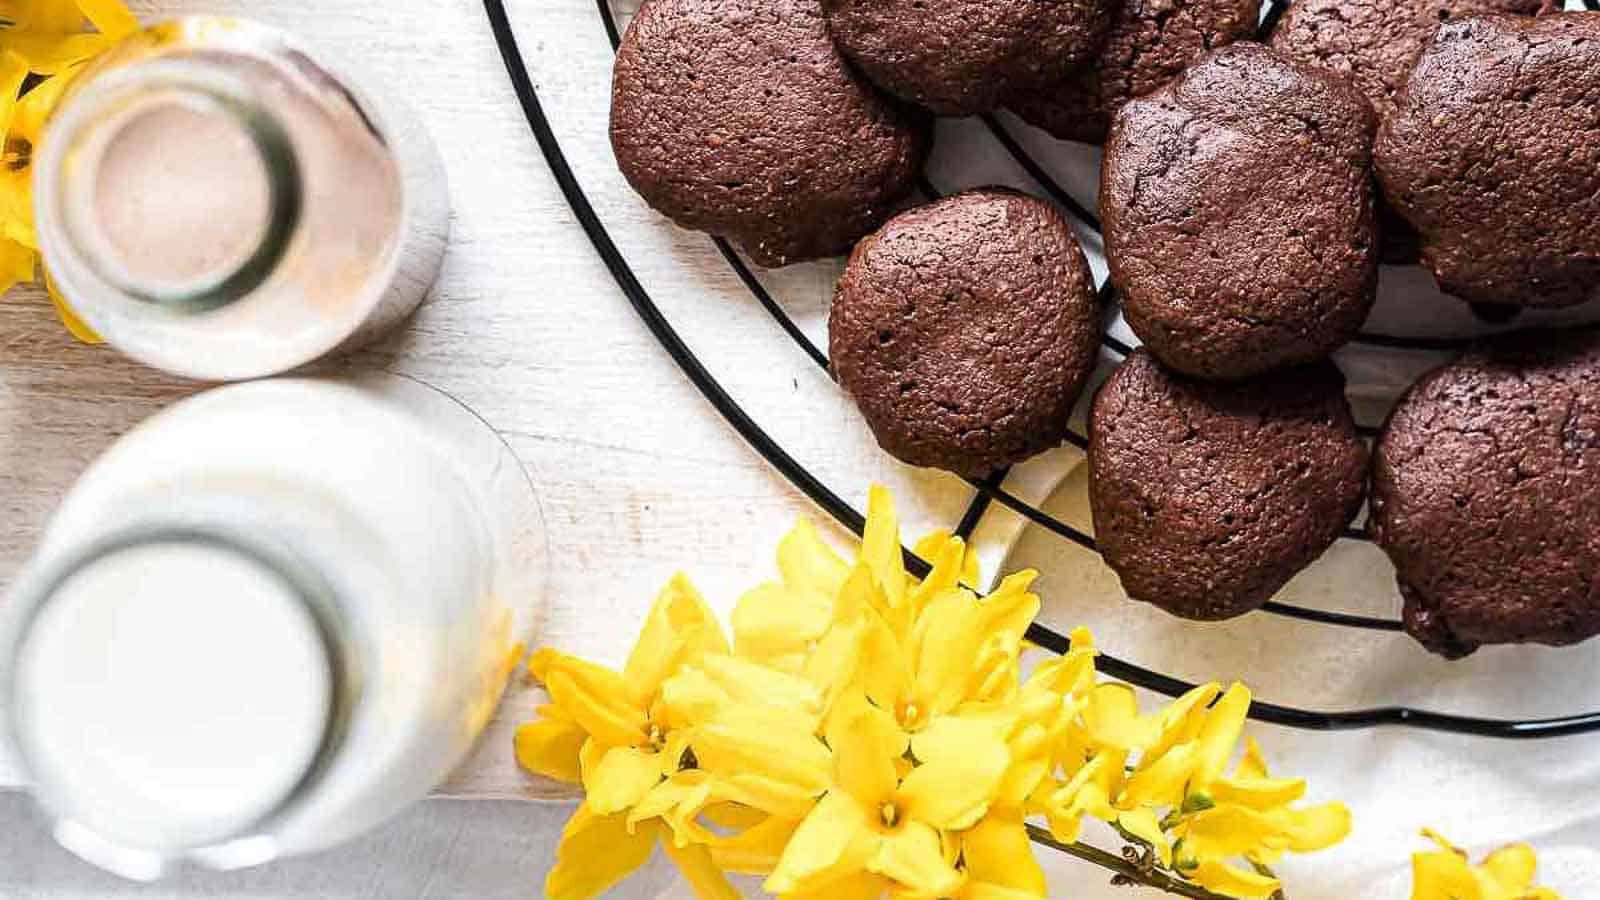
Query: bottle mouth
(175, 185)
(173, 694)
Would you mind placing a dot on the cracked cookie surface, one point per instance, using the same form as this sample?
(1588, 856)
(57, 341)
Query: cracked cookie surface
(1149, 43)
(1239, 214)
(1375, 43)
(740, 118)
(1208, 497)
(1493, 155)
(1485, 497)
(966, 329)
(958, 57)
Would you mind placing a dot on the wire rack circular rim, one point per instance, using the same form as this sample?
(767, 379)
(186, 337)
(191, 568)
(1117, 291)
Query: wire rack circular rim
(990, 490)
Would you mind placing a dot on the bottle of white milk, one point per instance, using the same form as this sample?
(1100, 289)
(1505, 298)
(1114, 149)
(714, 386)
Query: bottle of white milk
(214, 201)
(268, 619)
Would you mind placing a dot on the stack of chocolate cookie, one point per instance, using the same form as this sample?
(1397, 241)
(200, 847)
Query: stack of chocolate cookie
(1244, 226)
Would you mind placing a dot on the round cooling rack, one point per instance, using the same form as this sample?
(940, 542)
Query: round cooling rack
(1381, 361)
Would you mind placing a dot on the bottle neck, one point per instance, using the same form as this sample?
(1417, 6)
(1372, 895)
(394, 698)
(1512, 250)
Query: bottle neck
(168, 181)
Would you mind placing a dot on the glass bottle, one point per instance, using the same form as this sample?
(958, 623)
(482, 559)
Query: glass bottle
(267, 619)
(215, 201)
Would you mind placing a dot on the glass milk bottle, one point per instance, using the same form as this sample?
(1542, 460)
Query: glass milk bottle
(267, 619)
(214, 201)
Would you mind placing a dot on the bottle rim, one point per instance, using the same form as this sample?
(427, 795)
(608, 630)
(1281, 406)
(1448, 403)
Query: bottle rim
(251, 841)
(77, 135)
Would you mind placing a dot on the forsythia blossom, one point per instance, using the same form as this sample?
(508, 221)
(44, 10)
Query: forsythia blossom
(1446, 874)
(864, 733)
(44, 44)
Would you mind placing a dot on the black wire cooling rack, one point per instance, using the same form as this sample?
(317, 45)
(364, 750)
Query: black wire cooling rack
(991, 491)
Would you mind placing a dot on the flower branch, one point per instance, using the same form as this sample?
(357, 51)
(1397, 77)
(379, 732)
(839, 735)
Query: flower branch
(866, 733)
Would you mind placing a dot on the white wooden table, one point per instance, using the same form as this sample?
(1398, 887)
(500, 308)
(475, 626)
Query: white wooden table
(638, 477)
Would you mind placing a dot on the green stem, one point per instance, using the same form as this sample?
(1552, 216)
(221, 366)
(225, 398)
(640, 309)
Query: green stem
(1157, 878)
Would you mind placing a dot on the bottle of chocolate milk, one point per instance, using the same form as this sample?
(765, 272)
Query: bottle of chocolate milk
(215, 201)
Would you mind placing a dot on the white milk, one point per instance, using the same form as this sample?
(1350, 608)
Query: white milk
(268, 619)
(215, 201)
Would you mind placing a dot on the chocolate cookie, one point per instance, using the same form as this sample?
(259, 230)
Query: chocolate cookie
(1239, 215)
(1150, 42)
(1493, 154)
(965, 330)
(739, 118)
(1485, 497)
(957, 57)
(1375, 43)
(1209, 497)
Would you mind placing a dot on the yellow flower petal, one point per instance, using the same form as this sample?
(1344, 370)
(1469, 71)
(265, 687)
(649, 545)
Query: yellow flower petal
(700, 870)
(833, 668)
(952, 567)
(550, 746)
(1143, 824)
(755, 684)
(1253, 764)
(1112, 718)
(1220, 734)
(1257, 793)
(1314, 828)
(861, 886)
(1228, 831)
(863, 760)
(880, 549)
(1222, 878)
(913, 856)
(34, 109)
(998, 854)
(832, 843)
(1224, 832)
(885, 670)
(1180, 722)
(691, 697)
(809, 565)
(13, 71)
(767, 759)
(51, 54)
(734, 817)
(962, 767)
(33, 15)
(595, 853)
(1161, 782)
(1513, 867)
(955, 629)
(774, 623)
(594, 696)
(1088, 792)
(679, 630)
(1029, 750)
(1443, 875)
(678, 801)
(16, 264)
(621, 779)
(74, 325)
(754, 850)
(111, 17)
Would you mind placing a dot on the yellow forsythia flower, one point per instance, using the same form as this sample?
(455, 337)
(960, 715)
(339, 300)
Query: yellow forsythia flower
(868, 733)
(44, 44)
(1446, 874)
